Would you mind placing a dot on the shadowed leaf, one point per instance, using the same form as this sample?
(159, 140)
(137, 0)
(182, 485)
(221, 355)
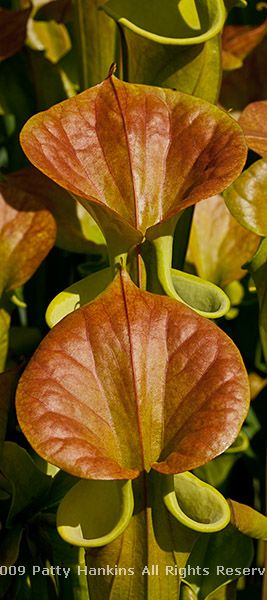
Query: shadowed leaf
(218, 245)
(135, 155)
(27, 233)
(168, 390)
(247, 84)
(8, 381)
(228, 549)
(56, 10)
(10, 545)
(253, 121)
(216, 471)
(76, 230)
(13, 26)
(29, 485)
(238, 41)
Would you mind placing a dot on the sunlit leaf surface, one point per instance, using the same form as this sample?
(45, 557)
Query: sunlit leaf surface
(246, 198)
(248, 521)
(168, 390)
(137, 153)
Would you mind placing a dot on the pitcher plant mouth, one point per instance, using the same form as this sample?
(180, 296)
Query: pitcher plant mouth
(94, 513)
(183, 23)
(205, 298)
(195, 504)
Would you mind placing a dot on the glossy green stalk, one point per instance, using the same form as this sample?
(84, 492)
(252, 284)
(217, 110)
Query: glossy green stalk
(147, 560)
(141, 552)
(96, 41)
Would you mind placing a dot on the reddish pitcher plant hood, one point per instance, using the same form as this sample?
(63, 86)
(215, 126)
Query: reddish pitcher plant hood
(135, 155)
(132, 381)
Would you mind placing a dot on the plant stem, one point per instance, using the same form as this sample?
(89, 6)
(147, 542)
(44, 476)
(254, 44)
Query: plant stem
(181, 238)
(96, 41)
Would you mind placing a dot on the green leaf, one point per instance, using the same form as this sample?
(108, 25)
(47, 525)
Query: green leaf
(23, 341)
(53, 82)
(52, 38)
(224, 554)
(94, 513)
(241, 444)
(29, 485)
(196, 504)
(144, 172)
(168, 390)
(61, 484)
(216, 471)
(187, 593)
(10, 545)
(225, 592)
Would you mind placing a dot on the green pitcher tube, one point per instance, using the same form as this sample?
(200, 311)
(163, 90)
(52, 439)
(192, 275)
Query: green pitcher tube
(172, 44)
